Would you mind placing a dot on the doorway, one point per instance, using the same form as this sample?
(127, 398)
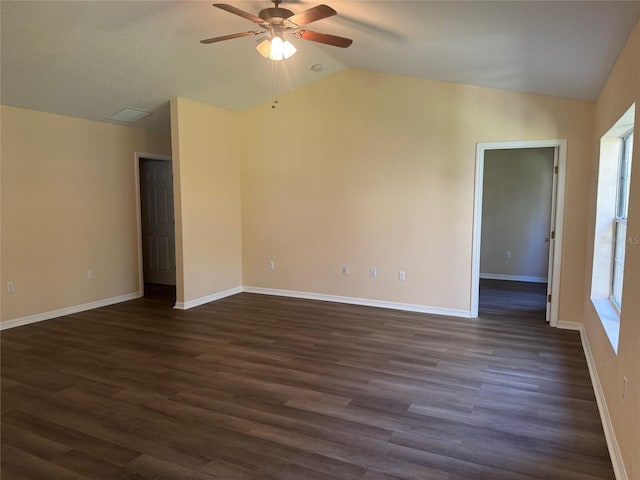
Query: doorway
(529, 251)
(157, 258)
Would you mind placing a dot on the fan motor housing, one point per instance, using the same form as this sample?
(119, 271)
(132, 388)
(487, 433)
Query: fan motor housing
(275, 16)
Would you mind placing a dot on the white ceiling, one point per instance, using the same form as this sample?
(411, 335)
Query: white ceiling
(91, 59)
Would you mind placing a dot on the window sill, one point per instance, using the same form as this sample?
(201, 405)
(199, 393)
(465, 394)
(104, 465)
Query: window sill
(610, 319)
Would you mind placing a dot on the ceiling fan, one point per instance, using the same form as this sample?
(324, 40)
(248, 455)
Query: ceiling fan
(278, 21)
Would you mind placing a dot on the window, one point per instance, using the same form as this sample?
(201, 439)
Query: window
(620, 222)
(610, 239)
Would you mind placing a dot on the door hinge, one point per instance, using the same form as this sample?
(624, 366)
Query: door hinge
(555, 169)
(549, 298)
(553, 234)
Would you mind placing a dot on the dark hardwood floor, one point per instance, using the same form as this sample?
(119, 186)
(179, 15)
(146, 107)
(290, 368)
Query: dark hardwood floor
(162, 293)
(517, 300)
(259, 387)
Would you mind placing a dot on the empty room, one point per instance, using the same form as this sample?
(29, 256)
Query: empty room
(360, 240)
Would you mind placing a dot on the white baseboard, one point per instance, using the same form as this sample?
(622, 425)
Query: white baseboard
(209, 298)
(361, 301)
(513, 278)
(39, 317)
(612, 443)
(233, 291)
(570, 326)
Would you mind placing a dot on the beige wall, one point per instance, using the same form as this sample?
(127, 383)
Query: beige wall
(380, 175)
(516, 212)
(374, 170)
(207, 190)
(620, 91)
(68, 205)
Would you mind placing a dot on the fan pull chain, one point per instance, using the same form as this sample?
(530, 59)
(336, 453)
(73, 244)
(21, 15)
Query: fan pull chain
(274, 83)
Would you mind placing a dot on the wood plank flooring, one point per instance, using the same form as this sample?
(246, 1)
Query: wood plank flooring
(256, 387)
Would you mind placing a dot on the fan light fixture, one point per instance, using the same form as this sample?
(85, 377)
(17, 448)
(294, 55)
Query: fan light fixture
(276, 49)
(275, 22)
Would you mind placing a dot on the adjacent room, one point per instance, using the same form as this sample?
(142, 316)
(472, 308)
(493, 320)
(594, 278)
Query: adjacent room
(405, 246)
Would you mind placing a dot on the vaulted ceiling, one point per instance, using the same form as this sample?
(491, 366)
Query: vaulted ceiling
(91, 59)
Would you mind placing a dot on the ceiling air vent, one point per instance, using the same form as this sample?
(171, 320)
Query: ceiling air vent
(129, 115)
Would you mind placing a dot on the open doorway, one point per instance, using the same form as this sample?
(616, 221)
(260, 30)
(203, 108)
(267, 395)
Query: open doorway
(157, 256)
(517, 226)
(516, 221)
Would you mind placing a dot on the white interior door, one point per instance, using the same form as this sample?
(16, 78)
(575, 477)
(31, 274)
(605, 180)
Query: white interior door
(157, 218)
(552, 233)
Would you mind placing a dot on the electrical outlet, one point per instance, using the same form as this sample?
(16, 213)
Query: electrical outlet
(345, 270)
(507, 255)
(401, 276)
(625, 383)
(89, 274)
(372, 272)
(272, 265)
(10, 288)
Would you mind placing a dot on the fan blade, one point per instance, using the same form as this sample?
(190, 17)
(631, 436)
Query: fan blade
(334, 40)
(229, 37)
(237, 11)
(312, 15)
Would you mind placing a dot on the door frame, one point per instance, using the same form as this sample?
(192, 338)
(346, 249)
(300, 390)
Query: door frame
(136, 164)
(557, 215)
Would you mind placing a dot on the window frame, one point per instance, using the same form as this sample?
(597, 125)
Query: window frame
(620, 219)
(607, 210)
